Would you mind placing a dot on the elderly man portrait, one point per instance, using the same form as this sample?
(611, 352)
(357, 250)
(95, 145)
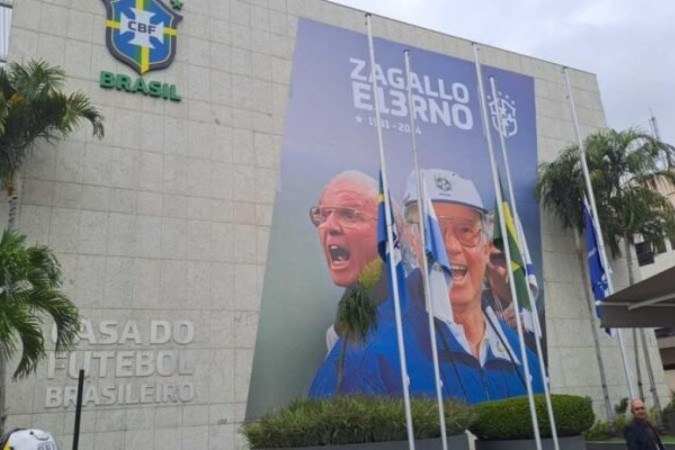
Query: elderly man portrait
(346, 220)
(479, 354)
(639, 432)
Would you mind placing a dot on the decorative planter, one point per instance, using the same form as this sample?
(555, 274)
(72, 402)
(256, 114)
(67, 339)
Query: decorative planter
(566, 443)
(457, 442)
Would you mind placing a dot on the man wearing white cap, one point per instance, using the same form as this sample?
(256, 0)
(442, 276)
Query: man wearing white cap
(27, 440)
(477, 351)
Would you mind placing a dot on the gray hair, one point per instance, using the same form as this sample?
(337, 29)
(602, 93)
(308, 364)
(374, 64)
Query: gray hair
(357, 177)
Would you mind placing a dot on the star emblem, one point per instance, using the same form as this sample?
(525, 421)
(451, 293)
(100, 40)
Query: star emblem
(177, 4)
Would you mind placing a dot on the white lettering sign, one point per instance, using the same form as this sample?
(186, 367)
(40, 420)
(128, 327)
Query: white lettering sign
(172, 359)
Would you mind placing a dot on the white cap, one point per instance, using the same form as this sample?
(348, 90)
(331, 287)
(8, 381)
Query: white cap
(444, 186)
(31, 440)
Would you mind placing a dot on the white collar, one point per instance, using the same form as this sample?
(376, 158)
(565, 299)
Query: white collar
(493, 339)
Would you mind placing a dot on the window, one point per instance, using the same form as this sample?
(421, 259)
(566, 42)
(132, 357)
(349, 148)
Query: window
(5, 26)
(659, 246)
(645, 254)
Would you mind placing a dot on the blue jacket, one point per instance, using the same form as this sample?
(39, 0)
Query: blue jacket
(373, 368)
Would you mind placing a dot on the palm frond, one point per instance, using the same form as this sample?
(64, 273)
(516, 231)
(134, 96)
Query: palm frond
(33, 107)
(29, 290)
(626, 170)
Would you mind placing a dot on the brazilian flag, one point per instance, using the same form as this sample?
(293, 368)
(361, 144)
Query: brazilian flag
(517, 260)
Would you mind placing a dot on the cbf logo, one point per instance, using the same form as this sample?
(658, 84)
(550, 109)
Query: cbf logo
(142, 33)
(507, 109)
(443, 184)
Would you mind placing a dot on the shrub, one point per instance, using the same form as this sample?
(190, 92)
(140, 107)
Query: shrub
(351, 420)
(602, 431)
(510, 418)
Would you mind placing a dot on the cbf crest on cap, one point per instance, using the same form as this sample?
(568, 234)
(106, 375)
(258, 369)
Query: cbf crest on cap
(29, 440)
(444, 186)
(141, 33)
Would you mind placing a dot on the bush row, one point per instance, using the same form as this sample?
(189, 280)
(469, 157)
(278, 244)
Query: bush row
(511, 419)
(352, 420)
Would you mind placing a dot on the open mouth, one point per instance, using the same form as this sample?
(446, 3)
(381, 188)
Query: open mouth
(338, 254)
(458, 271)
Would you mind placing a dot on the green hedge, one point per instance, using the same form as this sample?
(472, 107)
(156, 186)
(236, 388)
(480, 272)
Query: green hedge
(351, 420)
(510, 418)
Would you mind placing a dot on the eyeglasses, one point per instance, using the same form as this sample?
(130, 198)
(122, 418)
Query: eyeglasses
(639, 408)
(345, 216)
(466, 232)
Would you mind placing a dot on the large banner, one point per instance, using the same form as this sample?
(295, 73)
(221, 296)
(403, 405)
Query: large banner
(324, 229)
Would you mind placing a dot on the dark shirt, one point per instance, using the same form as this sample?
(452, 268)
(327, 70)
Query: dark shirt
(640, 435)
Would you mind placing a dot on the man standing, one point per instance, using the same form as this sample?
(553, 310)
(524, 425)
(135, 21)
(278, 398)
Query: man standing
(639, 433)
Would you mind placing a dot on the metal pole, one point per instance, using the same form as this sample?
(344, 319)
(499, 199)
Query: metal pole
(521, 237)
(78, 410)
(650, 373)
(425, 264)
(507, 251)
(596, 223)
(390, 246)
(583, 262)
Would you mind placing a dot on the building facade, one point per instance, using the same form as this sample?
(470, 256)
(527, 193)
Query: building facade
(163, 227)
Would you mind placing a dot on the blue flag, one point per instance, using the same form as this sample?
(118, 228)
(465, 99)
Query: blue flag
(596, 269)
(440, 274)
(382, 247)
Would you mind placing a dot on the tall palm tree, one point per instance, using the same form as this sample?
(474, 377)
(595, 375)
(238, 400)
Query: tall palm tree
(33, 107)
(30, 280)
(627, 168)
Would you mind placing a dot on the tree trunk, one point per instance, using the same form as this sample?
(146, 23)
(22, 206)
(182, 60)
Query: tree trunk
(594, 326)
(629, 259)
(650, 372)
(631, 281)
(11, 220)
(638, 370)
(648, 362)
(3, 375)
(341, 366)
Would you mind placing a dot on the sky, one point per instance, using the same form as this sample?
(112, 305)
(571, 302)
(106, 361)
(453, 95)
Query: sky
(628, 44)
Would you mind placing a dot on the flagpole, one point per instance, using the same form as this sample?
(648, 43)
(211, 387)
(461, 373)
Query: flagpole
(390, 246)
(596, 224)
(507, 250)
(421, 210)
(521, 236)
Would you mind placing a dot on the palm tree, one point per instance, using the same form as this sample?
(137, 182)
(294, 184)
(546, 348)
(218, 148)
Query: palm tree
(357, 312)
(626, 168)
(30, 280)
(32, 108)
